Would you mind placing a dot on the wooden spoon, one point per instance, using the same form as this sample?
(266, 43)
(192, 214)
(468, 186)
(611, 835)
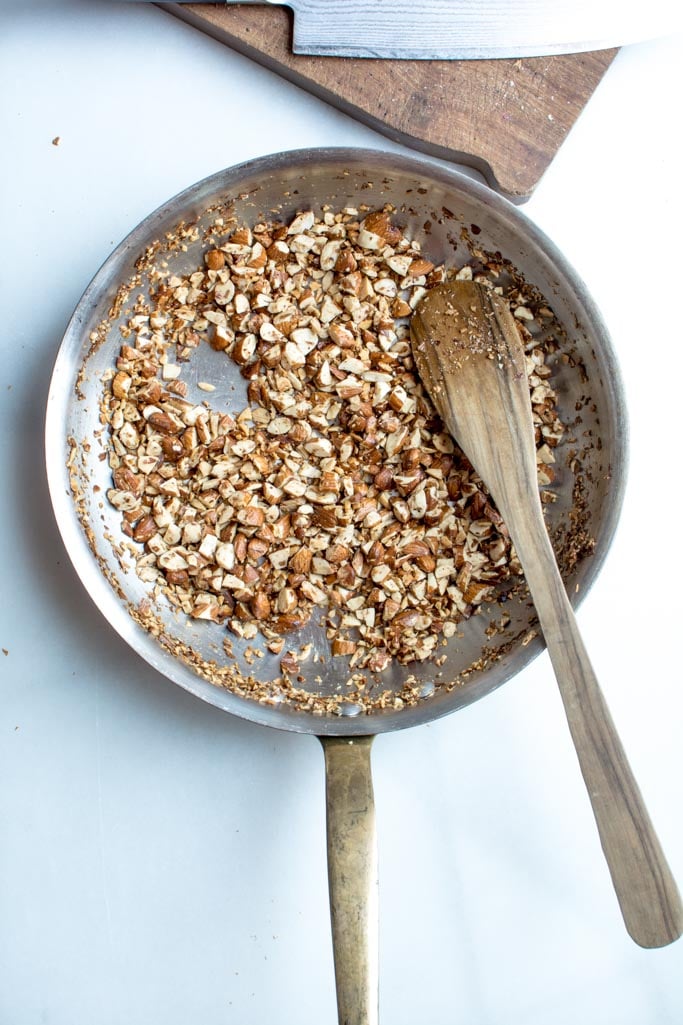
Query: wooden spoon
(470, 357)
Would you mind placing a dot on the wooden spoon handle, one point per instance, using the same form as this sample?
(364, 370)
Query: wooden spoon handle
(469, 354)
(647, 893)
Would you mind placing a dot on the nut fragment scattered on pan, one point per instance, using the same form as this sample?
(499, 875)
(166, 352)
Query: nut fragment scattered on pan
(336, 493)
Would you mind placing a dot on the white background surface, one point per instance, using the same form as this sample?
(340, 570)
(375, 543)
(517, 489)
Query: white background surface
(163, 863)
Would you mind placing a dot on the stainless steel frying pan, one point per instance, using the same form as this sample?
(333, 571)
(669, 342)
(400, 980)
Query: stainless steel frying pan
(440, 208)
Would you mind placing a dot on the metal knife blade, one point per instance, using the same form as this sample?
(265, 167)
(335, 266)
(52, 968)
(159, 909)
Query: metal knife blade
(472, 29)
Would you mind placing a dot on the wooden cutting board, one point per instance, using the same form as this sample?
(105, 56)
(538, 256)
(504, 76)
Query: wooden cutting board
(507, 118)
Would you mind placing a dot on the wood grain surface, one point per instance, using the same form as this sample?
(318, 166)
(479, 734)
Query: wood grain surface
(507, 118)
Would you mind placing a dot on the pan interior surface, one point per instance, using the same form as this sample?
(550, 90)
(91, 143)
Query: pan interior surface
(448, 214)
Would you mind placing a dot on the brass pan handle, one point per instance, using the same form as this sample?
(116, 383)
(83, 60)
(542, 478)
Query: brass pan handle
(353, 881)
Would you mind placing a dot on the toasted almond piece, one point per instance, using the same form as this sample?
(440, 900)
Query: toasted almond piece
(300, 562)
(341, 646)
(164, 423)
(214, 259)
(287, 600)
(244, 348)
(145, 529)
(120, 384)
(313, 593)
(420, 267)
(302, 222)
(251, 516)
(378, 222)
(279, 425)
(293, 355)
(260, 605)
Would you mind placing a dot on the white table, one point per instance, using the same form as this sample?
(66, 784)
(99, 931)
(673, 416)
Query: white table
(163, 863)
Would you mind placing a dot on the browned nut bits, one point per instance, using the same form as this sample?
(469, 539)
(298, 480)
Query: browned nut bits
(335, 493)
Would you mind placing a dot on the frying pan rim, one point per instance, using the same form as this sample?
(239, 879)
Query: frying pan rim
(64, 507)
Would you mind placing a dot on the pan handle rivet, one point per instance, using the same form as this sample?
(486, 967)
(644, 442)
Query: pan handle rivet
(350, 709)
